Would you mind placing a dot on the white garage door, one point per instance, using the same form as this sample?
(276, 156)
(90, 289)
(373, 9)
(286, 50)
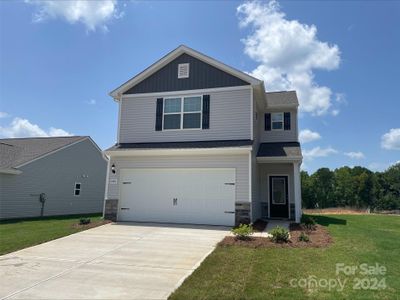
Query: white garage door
(196, 196)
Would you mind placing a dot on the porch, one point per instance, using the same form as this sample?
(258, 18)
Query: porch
(278, 188)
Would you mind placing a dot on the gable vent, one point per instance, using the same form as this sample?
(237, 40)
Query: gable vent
(183, 70)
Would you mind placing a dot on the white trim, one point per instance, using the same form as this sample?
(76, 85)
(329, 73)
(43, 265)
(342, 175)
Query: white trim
(275, 159)
(272, 121)
(10, 171)
(190, 151)
(106, 187)
(185, 92)
(250, 187)
(268, 192)
(185, 65)
(170, 57)
(297, 191)
(119, 119)
(78, 189)
(252, 114)
(182, 112)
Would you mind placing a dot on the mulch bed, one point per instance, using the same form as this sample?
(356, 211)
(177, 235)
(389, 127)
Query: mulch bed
(91, 224)
(259, 225)
(319, 238)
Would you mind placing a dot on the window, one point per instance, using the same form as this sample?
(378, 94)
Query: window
(77, 190)
(277, 121)
(183, 71)
(278, 190)
(182, 113)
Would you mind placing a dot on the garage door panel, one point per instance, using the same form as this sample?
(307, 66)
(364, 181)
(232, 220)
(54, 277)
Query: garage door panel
(202, 195)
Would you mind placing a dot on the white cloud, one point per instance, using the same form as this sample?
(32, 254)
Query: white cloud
(379, 167)
(391, 139)
(288, 52)
(307, 136)
(93, 14)
(318, 152)
(23, 128)
(3, 115)
(355, 155)
(91, 102)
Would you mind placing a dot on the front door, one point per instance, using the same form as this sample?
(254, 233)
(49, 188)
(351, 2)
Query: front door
(278, 197)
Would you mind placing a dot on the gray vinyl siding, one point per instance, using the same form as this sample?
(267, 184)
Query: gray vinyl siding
(279, 135)
(239, 162)
(201, 76)
(55, 175)
(229, 119)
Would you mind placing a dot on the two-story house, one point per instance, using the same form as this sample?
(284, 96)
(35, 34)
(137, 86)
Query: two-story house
(200, 142)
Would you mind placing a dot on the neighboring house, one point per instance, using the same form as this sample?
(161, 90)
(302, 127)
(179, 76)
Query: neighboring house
(51, 176)
(200, 142)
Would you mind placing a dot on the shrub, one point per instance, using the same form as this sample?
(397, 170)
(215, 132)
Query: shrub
(280, 235)
(84, 221)
(303, 237)
(243, 232)
(308, 222)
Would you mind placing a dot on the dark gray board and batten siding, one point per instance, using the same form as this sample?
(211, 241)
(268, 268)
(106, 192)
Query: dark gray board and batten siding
(201, 76)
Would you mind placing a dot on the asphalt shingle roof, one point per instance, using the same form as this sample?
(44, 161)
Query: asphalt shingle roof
(279, 149)
(281, 98)
(182, 145)
(17, 151)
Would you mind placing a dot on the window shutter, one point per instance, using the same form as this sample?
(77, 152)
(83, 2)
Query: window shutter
(286, 121)
(206, 112)
(159, 114)
(267, 120)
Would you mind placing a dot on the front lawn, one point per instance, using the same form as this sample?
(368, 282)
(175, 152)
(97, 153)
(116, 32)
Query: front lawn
(235, 272)
(19, 234)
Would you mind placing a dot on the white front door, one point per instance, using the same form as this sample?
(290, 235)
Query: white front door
(196, 196)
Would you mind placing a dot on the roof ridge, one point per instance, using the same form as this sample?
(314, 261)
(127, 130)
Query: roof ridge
(45, 137)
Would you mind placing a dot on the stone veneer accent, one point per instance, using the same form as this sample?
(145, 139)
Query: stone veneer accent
(292, 211)
(111, 209)
(242, 213)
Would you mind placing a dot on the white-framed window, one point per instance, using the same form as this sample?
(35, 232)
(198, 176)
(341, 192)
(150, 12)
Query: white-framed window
(277, 121)
(183, 70)
(182, 113)
(77, 189)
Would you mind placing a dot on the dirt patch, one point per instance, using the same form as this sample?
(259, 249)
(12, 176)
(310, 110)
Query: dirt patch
(259, 225)
(337, 211)
(90, 225)
(319, 238)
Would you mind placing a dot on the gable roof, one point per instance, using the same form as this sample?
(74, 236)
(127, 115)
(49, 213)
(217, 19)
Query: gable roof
(170, 57)
(16, 152)
(281, 99)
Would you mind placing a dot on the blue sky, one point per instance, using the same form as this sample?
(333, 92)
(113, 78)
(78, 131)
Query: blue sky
(60, 59)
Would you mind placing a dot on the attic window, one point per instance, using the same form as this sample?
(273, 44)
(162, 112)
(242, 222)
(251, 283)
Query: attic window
(183, 70)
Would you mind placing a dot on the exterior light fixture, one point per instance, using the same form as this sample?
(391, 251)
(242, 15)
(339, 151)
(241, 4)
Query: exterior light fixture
(113, 169)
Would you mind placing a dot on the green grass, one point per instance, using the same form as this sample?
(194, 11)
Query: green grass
(19, 234)
(234, 272)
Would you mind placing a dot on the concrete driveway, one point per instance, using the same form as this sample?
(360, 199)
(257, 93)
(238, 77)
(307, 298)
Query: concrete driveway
(114, 261)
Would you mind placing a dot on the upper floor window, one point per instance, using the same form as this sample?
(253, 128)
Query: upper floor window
(277, 121)
(182, 113)
(77, 189)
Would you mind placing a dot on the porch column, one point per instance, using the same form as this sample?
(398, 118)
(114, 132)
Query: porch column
(297, 191)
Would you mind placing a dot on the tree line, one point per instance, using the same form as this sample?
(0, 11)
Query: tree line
(355, 187)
